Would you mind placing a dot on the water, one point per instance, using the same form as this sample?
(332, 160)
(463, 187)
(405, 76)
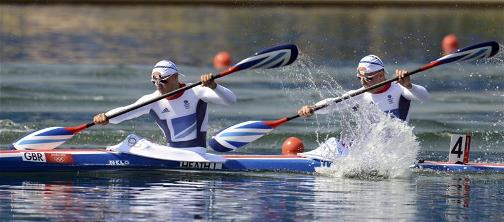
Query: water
(118, 34)
(173, 195)
(105, 62)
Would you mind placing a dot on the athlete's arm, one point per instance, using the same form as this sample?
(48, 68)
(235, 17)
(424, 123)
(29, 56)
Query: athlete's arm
(416, 92)
(331, 106)
(335, 107)
(131, 114)
(214, 93)
(411, 91)
(220, 95)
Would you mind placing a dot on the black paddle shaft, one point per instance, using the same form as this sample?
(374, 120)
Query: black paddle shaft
(358, 92)
(155, 99)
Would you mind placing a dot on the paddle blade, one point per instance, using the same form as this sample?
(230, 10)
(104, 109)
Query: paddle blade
(474, 52)
(278, 56)
(48, 138)
(242, 134)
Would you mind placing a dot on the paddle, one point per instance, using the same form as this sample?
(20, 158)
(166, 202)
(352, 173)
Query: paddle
(242, 134)
(52, 137)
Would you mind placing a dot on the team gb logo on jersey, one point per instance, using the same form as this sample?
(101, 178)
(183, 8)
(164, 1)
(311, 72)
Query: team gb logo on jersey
(389, 99)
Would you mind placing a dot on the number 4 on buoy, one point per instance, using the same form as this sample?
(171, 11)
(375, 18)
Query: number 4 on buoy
(459, 148)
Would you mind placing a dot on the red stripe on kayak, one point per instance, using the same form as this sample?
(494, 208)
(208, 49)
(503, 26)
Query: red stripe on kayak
(105, 151)
(263, 156)
(55, 151)
(468, 164)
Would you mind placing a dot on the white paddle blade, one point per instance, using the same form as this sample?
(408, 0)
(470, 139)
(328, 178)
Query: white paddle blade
(45, 139)
(474, 52)
(239, 135)
(270, 58)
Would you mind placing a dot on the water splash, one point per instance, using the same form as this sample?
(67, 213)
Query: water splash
(305, 83)
(7, 125)
(380, 147)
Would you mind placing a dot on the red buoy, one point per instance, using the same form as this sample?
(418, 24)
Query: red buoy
(292, 146)
(450, 44)
(222, 60)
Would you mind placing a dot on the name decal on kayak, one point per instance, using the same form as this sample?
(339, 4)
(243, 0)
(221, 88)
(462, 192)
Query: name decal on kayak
(34, 157)
(324, 163)
(201, 165)
(118, 163)
(59, 158)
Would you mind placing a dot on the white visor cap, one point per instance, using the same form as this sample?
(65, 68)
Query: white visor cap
(369, 64)
(166, 68)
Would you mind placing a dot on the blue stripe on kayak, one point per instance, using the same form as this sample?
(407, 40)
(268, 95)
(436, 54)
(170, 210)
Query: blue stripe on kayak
(25, 142)
(256, 125)
(56, 132)
(240, 134)
(459, 168)
(117, 161)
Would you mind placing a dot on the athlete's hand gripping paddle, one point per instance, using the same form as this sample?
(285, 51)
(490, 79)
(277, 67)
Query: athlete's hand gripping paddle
(52, 137)
(244, 133)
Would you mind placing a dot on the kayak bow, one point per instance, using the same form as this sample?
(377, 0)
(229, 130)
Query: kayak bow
(99, 159)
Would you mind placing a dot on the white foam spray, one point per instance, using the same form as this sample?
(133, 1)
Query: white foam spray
(379, 146)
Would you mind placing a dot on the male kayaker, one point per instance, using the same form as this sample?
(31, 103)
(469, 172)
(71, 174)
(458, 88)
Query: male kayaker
(393, 98)
(183, 117)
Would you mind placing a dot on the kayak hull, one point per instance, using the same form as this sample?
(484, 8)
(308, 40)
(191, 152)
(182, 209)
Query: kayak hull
(98, 159)
(77, 160)
(453, 167)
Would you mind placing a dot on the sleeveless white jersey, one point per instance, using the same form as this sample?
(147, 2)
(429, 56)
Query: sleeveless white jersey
(184, 119)
(395, 100)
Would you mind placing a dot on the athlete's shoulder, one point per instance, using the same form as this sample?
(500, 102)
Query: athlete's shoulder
(395, 86)
(150, 95)
(199, 88)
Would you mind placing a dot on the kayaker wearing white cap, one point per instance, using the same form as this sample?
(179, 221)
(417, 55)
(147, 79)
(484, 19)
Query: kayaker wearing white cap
(393, 98)
(183, 117)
